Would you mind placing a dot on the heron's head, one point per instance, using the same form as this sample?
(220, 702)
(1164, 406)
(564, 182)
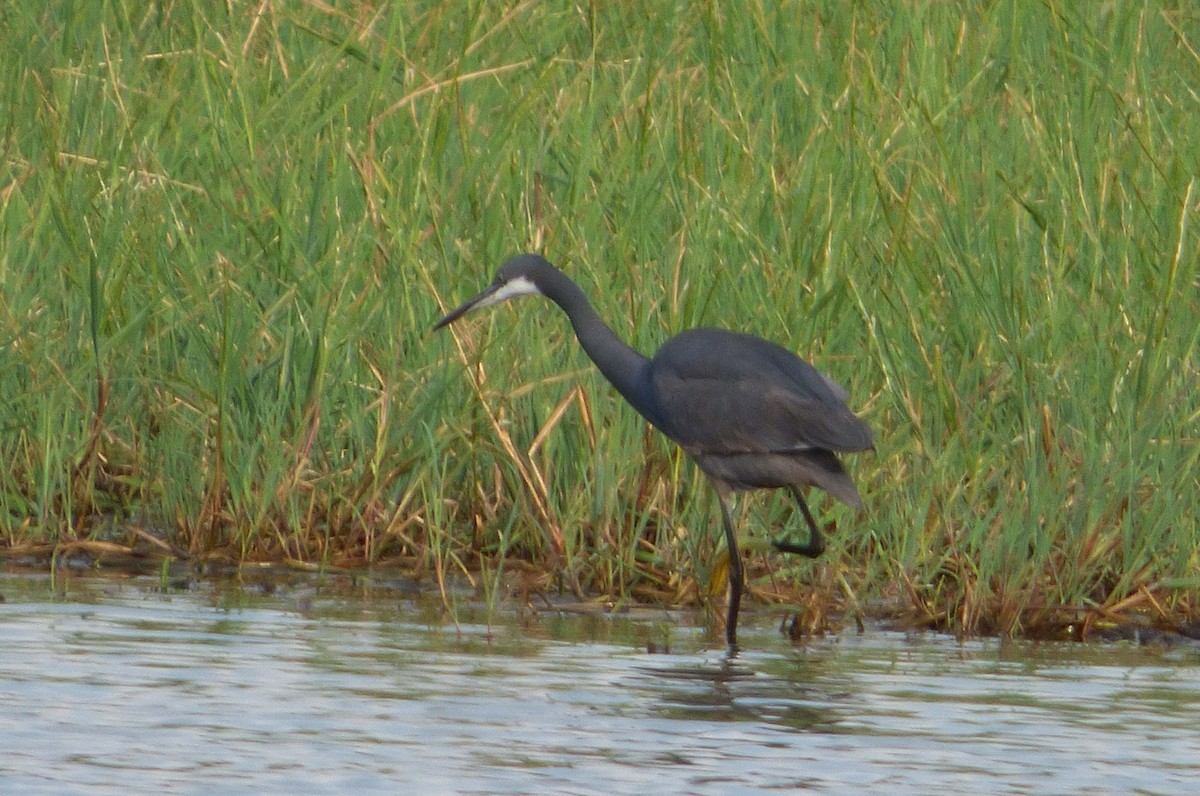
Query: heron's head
(520, 276)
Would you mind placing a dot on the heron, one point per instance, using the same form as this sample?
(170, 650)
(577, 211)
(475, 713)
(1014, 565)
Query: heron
(749, 412)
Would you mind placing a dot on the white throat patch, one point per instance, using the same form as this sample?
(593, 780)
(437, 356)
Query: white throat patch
(521, 286)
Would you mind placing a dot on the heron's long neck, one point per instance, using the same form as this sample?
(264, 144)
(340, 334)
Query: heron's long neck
(620, 364)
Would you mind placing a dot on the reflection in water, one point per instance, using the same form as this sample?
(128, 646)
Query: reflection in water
(730, 690)
(114, 687)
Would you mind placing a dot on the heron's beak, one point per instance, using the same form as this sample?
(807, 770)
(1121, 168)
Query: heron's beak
(482, 298)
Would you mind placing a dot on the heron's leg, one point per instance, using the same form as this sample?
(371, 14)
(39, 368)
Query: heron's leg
(735, 573)
(816, 543)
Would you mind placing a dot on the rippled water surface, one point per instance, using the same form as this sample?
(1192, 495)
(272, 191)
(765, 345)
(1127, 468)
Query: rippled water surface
(115, 686)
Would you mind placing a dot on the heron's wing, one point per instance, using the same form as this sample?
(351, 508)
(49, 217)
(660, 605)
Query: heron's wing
(719, 392)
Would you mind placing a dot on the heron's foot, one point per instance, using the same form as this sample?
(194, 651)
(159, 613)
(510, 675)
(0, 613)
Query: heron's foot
(814, 548)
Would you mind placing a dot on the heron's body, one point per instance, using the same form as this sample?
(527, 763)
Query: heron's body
(750, 413)
(756, 416)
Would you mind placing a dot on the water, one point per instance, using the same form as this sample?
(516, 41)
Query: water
(111, 686)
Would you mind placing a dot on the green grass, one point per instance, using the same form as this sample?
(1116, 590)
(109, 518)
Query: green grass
(227, 229)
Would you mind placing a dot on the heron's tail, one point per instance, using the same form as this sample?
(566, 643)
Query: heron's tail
(824, 470)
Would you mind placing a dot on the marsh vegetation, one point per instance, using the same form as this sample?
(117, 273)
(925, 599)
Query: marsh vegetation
(227, 228)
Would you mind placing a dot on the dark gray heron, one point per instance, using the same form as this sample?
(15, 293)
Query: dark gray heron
(750, 413)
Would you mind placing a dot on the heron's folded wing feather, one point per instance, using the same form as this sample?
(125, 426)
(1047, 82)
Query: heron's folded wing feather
(727, 417)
